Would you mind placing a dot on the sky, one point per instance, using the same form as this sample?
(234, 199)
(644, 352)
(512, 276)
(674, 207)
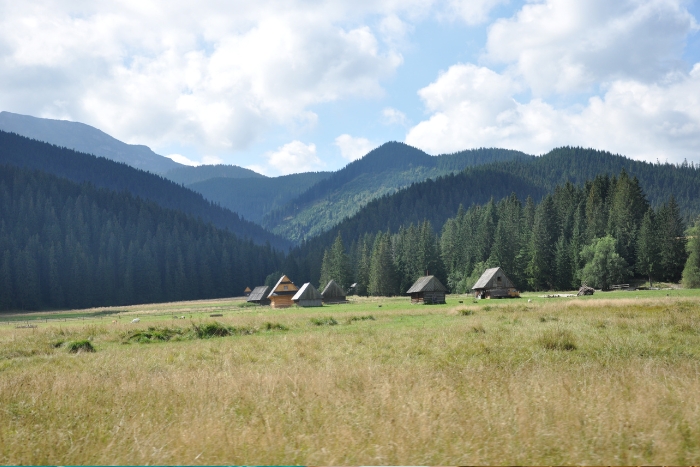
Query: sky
(286, 86)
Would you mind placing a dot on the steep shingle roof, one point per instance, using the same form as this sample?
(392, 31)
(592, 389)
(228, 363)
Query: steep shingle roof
(307, 292)
(488, 276)
(427, 284)
(259, 293)
(333, 290)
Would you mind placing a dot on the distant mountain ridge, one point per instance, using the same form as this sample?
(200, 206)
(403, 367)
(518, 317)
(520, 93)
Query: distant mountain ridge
(104, 173)
(84, 138)
(187, 175)
(385, 170)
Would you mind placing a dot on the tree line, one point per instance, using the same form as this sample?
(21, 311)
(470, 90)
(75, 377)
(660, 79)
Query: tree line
(69, 245)
(601, 233)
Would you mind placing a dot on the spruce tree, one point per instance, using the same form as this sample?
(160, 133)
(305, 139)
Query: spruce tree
(542, 266)
(648, 255)
(672, 241)
(691, 272)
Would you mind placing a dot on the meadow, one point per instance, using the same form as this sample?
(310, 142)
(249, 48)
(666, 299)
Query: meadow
(608, 379)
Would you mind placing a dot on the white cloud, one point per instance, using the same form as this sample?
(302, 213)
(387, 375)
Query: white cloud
(472, 11)
(392, 116)
(573, 45)
(216, 76)
(293, 157)
(180, 159)
(352, 148)
(212, 160)
(476, 107)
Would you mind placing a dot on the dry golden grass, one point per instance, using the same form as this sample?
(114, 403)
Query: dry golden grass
(416, 385)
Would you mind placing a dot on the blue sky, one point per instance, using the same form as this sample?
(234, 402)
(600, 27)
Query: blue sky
(289, 86)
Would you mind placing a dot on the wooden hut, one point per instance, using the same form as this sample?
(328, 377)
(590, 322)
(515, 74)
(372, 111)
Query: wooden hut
(427, 289)
(247, 291)
(333, 293)
(281, 294)
(307, 296)
(259, 295)
(494, 283)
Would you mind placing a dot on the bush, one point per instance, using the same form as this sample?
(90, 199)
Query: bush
(80, 346)
(465, 312)
(558, 339)
(324, 321)
(360, 318)
(274, 327)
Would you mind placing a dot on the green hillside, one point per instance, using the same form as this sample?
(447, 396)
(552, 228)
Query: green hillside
(71, 245)
(104, 173)
(383, 171)
(186, 175)
(252, 198)
(438, 200)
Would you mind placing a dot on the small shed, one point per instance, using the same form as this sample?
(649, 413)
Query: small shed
(494, 283)
(427, 290)
(333, 293)
(307, 296)
(282, 293)
(259, 295)
(247, 291)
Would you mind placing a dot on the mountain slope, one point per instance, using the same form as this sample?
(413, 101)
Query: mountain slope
(23, 152)
(70, 245)
(385, 170)
(437, 200)
(87, 139)
(186, 175)
(252, 198)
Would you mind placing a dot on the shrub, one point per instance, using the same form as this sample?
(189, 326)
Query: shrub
(274, 327)
(324, 321)
(558, 339)
(83, 345)
(465, 312)
(360, 318)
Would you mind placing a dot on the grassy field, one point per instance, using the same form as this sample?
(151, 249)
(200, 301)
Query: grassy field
(608, 379)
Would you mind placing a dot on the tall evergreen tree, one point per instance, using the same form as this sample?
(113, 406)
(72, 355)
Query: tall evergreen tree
(382, 275)
(671, 241)
(648, 262)
(542, 266)
(691, 271)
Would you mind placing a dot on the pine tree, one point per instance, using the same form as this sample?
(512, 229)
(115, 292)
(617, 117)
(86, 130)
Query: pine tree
(648, 256)
(382, 275)
(671, 241)
(691, 272)
(542, 266)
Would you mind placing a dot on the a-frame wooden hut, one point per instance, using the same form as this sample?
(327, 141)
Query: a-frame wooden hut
(333, 293)
(247, 291)
(259, 295)
(427, 290)
(494, 283)
(307, 296)
(281, 294)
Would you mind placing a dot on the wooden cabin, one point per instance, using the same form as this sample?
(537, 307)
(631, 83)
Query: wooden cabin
(247, 291)
(281, 294)
(494, 283)
(427, 290)
(307, 296)
(259, 295)
(333, 293)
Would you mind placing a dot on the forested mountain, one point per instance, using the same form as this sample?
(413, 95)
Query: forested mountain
(104, 173)
(601, 233)
(385, 170)
(87, 139)
(252, 198)
(438, 200)
(186, 175)
(64, 244)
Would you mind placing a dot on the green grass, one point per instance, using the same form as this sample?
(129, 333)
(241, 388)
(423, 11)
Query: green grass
(610, 379)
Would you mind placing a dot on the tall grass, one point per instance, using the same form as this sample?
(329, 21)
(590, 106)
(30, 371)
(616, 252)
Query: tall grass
(419, 385)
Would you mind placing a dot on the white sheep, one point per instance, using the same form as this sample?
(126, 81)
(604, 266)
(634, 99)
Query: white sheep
(529, 300)
(135, 320)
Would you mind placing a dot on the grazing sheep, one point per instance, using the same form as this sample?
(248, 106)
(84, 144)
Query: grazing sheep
(114, 321)
(529, 300)
(182, 317)
(135, 320)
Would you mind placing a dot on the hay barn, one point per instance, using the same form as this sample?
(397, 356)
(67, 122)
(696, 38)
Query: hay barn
(282, 293)
(333, 293)
(259, 295)
(427, 290)
(307, 296)
(247, 291)
(494, 283)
